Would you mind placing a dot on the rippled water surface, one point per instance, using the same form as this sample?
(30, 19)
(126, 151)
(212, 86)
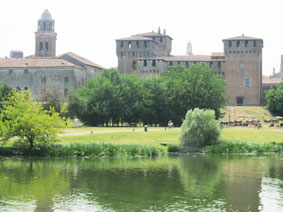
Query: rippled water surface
(173, 183)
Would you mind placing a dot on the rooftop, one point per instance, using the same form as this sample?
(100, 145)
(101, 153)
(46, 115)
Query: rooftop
(135, 37)
(46, 15)
(81, 59)
(33, 62)
(243, 37)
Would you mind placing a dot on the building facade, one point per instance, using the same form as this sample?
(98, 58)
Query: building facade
(44, 74)
(240, 64)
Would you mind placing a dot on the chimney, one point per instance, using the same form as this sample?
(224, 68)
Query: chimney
(158, 30)
(164, 31)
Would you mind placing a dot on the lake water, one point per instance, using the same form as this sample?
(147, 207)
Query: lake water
(170, 183)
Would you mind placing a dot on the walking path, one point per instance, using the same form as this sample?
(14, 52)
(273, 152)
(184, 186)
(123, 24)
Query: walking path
(114, 131)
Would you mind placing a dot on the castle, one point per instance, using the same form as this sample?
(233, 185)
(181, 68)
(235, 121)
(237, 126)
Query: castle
(240, 63)
(44, 73)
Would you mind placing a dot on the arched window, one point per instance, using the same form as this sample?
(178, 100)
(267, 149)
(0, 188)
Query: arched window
(134, 65)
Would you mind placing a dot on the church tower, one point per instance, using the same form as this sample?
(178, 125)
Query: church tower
(45, 37)
(189, 49)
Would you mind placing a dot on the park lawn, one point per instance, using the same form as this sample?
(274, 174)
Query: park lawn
(252, 135)
(172, 136)
(150, 137)
(95, 129)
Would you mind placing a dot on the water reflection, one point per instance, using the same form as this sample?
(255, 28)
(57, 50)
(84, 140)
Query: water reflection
(173, 183)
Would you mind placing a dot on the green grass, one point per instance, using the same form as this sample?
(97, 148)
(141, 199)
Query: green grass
(150, 137)
(172, 136)
(236, 113)
(96, 129)
(252, 135)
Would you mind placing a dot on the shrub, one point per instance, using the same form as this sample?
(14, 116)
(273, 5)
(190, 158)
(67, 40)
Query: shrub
(199, 129)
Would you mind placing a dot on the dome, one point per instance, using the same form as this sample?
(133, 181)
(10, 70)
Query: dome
(46, 15)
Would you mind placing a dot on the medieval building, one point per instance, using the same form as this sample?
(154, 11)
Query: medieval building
(240, 64)
(44, 73)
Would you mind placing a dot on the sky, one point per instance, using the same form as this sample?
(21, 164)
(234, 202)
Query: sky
(89, 27)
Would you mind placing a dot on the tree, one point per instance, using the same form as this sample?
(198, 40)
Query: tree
(197, 87)
(274, 100)
(199, 129)
(4, 94)
(28, 122)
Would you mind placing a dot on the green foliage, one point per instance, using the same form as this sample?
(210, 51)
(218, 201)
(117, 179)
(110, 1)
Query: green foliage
(244, 147)
(274, 100)
(199, 129)
(114, 98)
(91, 149)
(4, 94)
(28, 122)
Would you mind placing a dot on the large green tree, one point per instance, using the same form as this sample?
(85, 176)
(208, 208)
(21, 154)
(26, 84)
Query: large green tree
(4, 93)
(25, 120)
(274, 98)
(197, 87)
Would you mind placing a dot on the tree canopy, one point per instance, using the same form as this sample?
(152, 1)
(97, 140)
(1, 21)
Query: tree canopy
(274, 98)
(115, 98)
(26, 120)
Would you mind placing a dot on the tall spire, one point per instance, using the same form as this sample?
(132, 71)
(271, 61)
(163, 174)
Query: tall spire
(189, 49)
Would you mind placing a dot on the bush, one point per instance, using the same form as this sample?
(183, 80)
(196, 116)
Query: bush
(199, 129)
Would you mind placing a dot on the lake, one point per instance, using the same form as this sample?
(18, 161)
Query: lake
(169, 183)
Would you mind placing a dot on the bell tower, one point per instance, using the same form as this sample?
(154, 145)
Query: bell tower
(45, 37)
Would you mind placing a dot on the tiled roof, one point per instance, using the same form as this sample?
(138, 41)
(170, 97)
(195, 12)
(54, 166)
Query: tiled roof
(135, 37)
(194, 58)
(268, 80)
(217, 54)
(81, 59)
(197, 58)
(34, 62)
(150, 34)
(242, 37)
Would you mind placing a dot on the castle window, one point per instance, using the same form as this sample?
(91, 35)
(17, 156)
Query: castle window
(26, 71)
(121, 54)
(254, 43)
(153, 62)
(240, 100)
(130, 45)
(242, 65)
(43, 79)
(219, 64)
(145, 44)
(230, 43)
(122, 44)
(44, 26)
(145, 63)
(134, 65)
(46, 46)
(238, 43)
(138, 44)
(187, 64)
(133, 54)
(66, 79)
(161, 39)
(10, 71)
(246, 43)
(170, 63)
(247, 82)
(41, 46)
(179, 62)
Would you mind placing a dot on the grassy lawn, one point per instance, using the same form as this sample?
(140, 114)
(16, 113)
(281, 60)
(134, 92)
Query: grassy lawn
(252, 135)
(170, 136)
(150, 137)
